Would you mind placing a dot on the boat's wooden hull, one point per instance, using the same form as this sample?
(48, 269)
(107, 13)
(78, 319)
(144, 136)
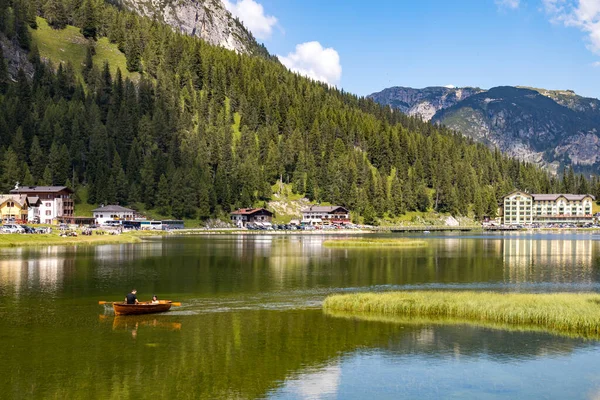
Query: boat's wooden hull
(141, 308)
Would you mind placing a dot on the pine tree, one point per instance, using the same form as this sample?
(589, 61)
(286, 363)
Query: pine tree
(55, 13)
(4, 76)
(163, 197)
(11, 171)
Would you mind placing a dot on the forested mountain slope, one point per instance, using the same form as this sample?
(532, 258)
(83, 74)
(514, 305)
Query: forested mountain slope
(548, 127)
(205, 129)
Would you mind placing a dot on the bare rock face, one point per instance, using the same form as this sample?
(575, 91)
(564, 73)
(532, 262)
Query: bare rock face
(15, 57)
(206, 19)
(423, 102)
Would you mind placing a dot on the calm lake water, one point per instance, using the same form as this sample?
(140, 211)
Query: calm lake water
(251, 325)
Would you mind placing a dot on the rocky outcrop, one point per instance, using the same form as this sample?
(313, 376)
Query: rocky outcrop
(15, 58)
(552, 128)
(206, 19)
(424, 103)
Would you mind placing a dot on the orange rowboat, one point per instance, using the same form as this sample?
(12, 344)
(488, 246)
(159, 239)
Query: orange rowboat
(122, 308)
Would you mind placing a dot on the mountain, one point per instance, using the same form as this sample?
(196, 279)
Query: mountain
(548, 127)
(206, 19)
(425, 102)
(130, 112)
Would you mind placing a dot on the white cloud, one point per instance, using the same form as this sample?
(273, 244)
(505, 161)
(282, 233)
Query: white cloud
(253, 16)
(581, 14)
(512, 4)
(596, 64)
(450, 86)
(312, 60)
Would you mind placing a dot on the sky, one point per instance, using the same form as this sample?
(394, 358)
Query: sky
(366, 46)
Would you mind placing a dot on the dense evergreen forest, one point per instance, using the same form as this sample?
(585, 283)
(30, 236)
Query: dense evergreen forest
(205, 130)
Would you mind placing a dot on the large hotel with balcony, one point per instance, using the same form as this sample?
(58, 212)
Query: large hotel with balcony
(521, 208)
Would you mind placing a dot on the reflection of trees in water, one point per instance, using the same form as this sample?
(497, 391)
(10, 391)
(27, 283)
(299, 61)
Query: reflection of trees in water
(228, 355)
(552, 260)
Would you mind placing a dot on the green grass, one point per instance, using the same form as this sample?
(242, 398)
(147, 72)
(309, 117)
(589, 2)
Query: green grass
(566, 313)
(374, 243)
(69, 45)
(53, 239)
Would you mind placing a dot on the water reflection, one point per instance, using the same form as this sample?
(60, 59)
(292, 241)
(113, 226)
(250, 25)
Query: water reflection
(45, 273)
(549, 260)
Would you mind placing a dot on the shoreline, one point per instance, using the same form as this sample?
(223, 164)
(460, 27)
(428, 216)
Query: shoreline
(9, 240)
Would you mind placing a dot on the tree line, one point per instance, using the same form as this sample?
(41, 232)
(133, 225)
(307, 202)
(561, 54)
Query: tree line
(205, 130)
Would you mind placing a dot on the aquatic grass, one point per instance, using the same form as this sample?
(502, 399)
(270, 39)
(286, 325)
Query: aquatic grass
(448, 321)
(574, 313)
(374, 242)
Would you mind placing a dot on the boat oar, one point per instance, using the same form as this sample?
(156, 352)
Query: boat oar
(176, 303)
(104, 302)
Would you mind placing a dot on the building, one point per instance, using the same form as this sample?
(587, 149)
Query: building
(55, 201)
(325, 215)
(244, 216)
(521, 208)
(113, 213)
(14, 207)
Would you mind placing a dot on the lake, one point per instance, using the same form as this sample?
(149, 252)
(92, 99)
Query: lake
(251, 327)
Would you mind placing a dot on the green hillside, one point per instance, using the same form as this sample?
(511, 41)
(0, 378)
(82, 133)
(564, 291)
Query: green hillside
(69, 45)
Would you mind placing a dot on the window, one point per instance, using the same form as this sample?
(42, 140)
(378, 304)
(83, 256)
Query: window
(48, 204)
(48, 212)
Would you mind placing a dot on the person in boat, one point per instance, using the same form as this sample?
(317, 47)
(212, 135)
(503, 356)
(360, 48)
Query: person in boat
(131, 298)
(155, 300)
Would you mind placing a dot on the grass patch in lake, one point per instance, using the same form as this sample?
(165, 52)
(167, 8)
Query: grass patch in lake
(576, 314)
(374, 242)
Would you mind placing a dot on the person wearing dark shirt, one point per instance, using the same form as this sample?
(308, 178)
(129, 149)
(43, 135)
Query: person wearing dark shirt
(131, 298)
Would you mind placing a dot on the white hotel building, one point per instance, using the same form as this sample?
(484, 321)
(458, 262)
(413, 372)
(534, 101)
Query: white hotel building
(521, 208)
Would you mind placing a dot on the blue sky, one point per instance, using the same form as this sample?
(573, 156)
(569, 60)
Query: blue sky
(364, 46)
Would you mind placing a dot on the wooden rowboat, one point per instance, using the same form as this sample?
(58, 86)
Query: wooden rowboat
(141, 308)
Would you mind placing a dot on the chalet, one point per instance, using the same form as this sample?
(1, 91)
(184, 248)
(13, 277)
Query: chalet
(113, 213)
(13, 207)
(55, 201)
(244, 216)
(325, 215)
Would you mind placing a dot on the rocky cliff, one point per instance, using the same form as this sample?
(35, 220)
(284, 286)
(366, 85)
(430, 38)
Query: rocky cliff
(206, 19)
(423, 102)
(548, 127)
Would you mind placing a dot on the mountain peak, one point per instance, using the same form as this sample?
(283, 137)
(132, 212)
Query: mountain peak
(207, 19)
(549, 127)
(425, 102)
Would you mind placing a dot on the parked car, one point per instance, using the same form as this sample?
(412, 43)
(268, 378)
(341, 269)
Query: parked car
(27, 229)
(12, 228)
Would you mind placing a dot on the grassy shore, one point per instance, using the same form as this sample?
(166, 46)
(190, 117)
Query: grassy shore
(567, 313)
(54, 239)
(374, 242)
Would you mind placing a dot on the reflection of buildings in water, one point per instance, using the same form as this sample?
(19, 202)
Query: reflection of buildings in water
(128, 251)
(554, 260)
(44, 272)
(320, 384)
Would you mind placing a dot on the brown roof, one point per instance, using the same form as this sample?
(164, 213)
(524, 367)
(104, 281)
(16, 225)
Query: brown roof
(249, 211)
(41, 189)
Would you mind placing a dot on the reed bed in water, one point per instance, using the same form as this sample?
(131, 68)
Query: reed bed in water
(374, 242)
(577, 313)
